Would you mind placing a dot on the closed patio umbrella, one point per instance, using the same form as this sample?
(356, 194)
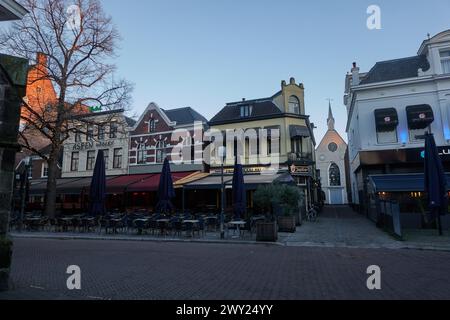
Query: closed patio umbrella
(166, 192)
(435, 180)
(239, 195)
(97, 192)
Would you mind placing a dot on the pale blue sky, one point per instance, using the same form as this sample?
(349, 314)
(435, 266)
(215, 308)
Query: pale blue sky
(204, 53)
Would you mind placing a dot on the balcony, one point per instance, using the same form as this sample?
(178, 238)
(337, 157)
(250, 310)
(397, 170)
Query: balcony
(304, 158)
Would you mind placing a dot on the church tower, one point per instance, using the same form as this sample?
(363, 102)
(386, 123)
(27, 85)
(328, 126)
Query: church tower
(330, 159)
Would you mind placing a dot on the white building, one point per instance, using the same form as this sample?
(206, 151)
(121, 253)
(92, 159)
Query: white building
(390, 107)
(107, 131)
(330, 160)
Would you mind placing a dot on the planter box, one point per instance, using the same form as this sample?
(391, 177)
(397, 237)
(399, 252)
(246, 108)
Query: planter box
(287, 224)
(267, 231)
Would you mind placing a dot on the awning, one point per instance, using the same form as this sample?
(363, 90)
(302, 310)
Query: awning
(386, 119)
(40, 187)
(298, 131)
(400, 182)
(120, 183)
(79, 186)
(190, 178)
(152, 182)
(252, 181)
(419, 116)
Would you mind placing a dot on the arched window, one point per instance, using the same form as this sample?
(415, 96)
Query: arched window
(334, 175)
(294, 105)
(152, 125)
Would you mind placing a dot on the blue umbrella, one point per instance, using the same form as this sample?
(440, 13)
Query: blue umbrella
(435, 180)
(97, 192)
(239, 196)
(165, 191)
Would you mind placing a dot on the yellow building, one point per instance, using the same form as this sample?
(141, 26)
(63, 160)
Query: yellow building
(269, 134)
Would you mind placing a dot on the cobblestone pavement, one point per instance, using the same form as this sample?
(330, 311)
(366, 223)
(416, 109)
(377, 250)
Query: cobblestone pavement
(189, 271)
(339, 226)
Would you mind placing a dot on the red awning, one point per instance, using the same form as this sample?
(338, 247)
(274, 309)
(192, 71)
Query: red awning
(120, 184)
(152, 182)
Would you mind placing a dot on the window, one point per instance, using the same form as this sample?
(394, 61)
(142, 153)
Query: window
(90, 133)
(334, 175)
(113, 128)
(74, 161)
(445, 61)
(30, 171)
(90, 160)
(160, 151)
(106, 157)
(294, 105)
(151, 125)
(332, 147)
(77, 136)
(117, 161)
(44, 172)
(246, 111)
(420, 117)
(386, 122)
(141, 153)
(101, 132)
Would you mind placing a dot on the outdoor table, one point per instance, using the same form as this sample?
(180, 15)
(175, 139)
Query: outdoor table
(192, 229)
(238, 224)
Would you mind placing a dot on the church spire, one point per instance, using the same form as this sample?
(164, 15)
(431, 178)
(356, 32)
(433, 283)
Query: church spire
(330, 119)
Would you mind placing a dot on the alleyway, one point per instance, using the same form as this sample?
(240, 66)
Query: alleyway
(339, 226)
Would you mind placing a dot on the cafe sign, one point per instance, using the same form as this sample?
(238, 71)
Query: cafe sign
(83, 146)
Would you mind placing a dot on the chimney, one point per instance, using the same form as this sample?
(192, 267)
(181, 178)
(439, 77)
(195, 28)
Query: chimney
(355, 75)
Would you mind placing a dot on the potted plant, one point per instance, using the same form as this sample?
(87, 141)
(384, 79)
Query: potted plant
(288, 197)
(264, 200)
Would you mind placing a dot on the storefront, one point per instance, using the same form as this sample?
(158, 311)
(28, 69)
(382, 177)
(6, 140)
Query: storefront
(407, 190)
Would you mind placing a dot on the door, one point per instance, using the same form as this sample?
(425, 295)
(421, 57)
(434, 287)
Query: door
(336, 196)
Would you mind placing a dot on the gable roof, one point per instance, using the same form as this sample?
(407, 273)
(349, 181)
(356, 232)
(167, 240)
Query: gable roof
(232, 111)
(396, 69)
(184, 116)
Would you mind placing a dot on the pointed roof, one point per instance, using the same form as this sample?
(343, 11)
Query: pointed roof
(330, 120)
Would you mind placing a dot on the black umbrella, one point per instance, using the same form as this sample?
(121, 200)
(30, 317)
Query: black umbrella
(97, 192)
(435, 180)
(239, 196)
(166, 191)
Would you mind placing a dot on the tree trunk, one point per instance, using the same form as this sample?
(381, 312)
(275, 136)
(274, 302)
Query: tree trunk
(50, 194)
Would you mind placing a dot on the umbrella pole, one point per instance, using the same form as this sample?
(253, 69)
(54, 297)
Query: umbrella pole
(439, 224)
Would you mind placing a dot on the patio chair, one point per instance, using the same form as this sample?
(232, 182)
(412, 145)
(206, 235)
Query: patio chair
(200, 227)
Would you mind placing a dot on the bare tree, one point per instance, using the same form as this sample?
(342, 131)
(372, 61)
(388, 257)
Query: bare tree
(79, 42)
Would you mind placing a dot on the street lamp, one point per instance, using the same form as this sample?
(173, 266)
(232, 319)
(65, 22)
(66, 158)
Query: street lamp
(23, 189)
(222, 154)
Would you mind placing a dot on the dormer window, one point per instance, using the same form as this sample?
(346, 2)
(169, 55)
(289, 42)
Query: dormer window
(294, 105)
(246, 111)
(445, 61)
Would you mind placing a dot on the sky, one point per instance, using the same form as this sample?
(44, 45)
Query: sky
(205, 53)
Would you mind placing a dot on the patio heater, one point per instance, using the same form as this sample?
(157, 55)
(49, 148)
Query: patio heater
(222, 154)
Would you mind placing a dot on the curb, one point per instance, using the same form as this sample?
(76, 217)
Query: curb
(72, 237)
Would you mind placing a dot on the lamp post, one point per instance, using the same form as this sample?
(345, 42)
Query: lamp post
(222, 154)
(23, 190)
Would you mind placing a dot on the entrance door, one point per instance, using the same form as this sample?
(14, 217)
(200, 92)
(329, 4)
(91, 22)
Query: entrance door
(336, 196)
